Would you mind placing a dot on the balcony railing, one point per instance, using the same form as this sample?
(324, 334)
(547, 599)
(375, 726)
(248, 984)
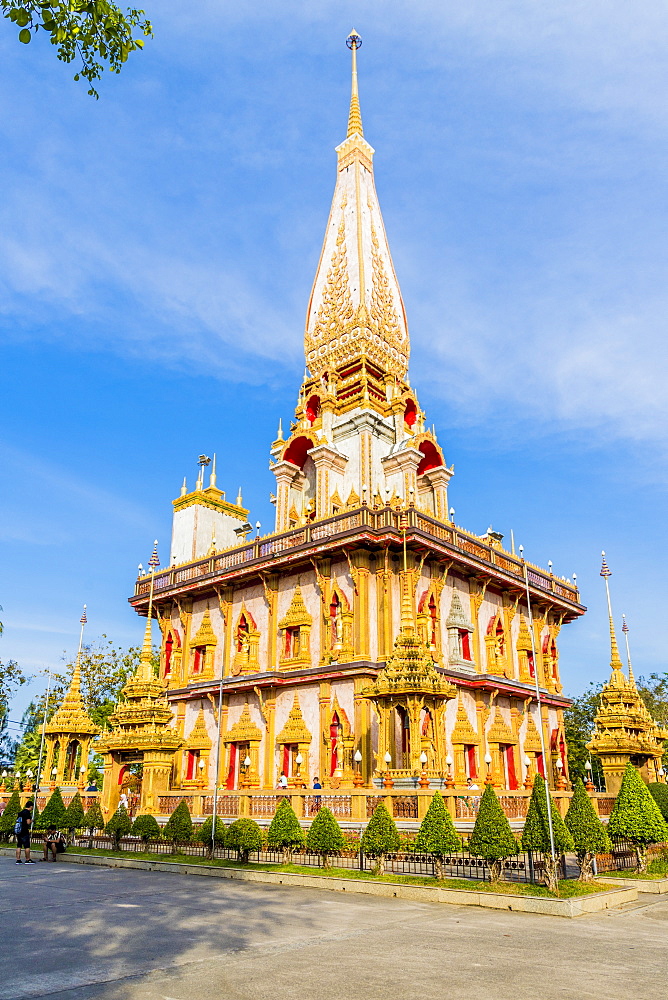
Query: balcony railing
(364, 519)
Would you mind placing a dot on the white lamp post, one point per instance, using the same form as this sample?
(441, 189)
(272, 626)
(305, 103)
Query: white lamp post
(387, 780)
(357, 776)
(488, 761)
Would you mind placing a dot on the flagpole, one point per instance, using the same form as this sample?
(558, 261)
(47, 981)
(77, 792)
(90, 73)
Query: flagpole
(541, 734)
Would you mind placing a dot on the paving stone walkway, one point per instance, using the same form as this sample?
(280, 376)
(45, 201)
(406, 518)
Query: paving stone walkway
(77, 932)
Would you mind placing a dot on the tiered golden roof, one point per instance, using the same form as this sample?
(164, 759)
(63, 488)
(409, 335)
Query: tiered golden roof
(72, 718)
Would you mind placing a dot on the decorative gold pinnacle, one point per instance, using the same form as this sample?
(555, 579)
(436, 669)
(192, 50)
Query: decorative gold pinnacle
(353, 41)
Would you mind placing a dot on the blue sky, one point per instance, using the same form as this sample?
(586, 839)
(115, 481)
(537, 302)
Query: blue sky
(157, 249)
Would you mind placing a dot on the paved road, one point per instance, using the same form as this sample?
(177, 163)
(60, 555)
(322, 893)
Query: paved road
(76, 933)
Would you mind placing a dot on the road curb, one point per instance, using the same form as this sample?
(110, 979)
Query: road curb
(574, 907)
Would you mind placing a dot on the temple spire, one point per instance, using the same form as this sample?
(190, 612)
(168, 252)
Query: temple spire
(625, 630)
(145, 671)
(353, 41)
(617, 670)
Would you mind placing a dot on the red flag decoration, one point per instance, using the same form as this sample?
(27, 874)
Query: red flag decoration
(605, 569)
(154, 562)
(83, 618)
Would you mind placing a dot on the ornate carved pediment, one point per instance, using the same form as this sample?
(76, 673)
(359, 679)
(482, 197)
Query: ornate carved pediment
(500, 731)
(532, 736)
(297, 614)
(243, 731)
(294, 730)
(205, 636)
(199, 738)
(463, 732)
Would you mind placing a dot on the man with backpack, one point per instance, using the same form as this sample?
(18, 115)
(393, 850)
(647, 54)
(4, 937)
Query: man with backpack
(22, 831)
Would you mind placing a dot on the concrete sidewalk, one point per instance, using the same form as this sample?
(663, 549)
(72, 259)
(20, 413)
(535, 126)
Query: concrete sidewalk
(80, 932)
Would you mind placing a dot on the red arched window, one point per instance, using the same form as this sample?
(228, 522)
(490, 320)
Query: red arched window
(335, 729)
(335, 620)
(242, 634)
(410, 413)
(313, 409)
(432, 458)
(169, 646)
(198, 659)
(297, 450)
(432, 620)
(531, 664)
(465, 643)
(500, 638)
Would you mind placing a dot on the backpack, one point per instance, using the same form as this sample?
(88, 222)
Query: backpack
(18, 826)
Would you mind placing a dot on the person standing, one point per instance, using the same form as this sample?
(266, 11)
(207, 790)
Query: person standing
(23, 833)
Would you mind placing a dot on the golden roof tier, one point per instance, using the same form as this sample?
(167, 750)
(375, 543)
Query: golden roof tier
(356, 307)
(624, 729)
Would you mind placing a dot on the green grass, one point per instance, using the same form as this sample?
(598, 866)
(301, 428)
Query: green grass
(567, 888)
(655, 870)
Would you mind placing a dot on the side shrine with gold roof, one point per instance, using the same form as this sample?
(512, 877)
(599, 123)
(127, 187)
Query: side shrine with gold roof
(368, 640)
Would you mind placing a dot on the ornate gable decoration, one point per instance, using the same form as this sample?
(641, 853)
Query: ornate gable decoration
(199, 738)
(456, 617)
(205, 636)
(463, 732)
(296, 615)
(500, 731)
(532, 736)
(243, 731)
(72, 719)
(294, 730)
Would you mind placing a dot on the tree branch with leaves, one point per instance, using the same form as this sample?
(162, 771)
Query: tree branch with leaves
(98, 33)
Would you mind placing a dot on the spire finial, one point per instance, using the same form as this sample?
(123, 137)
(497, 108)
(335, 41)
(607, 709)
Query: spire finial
(212, 478)
(625, 630)
(353, 41)
(617, 671)
(145, 671)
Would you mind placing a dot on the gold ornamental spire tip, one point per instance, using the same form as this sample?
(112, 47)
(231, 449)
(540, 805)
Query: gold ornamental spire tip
(353, 41)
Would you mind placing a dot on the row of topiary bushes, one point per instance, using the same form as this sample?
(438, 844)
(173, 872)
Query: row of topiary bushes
(635, 817)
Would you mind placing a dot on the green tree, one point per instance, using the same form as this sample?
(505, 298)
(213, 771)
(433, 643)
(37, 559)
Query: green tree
(578, 727)
(118, 826)
(105, 669)
(380, 837)
(325, 836)
(11, 678)
(98, 33)
(74, 815)
(589, 835)
(285, 831)
(9, 814)
(146, 827)
(244, 836)
(54, 813)
(179, 826)
(437, 834)
(492, 838)
(536, 832)
(659, 792)
(204, 834)
(636, 817)
(93, 820)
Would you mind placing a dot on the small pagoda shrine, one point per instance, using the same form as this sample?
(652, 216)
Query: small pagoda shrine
(140, 734)
(624, 729)
(67, 738)
(409, 696)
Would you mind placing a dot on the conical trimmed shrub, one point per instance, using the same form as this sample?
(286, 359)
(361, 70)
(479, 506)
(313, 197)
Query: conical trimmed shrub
(636, 816)
(9, 814)
(93, 820)
(589, 835)
(54, 813)
(325, 836)
(244, 836)
(536, 832)
(437, 834)
(74, 814)
(380, 837)
(205, 831)
(659, 792)
(179, 826)
(119, 825)
(492, 838)
(146, 827)
(285, 831)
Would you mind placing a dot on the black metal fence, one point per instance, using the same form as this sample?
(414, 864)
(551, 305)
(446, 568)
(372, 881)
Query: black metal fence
(521, 867)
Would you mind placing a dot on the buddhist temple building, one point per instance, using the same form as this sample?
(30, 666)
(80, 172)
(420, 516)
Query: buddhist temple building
(368, 639)
(625, 732)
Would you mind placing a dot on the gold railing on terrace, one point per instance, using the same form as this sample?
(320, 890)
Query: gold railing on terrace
(357, 805)
(362, 519)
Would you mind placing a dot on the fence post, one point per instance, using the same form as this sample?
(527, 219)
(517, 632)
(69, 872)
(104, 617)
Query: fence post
(532, 873)
(297, 803)
(450, 804)
(424, 799)
(358, 805)
(244, 805)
